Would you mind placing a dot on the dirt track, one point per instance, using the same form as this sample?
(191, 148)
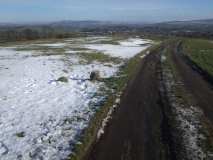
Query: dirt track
(197, 85)
(140, 128)
(136, 131)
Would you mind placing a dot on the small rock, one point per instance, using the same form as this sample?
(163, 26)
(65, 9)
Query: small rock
(19, 157)
(63, 79)
(20, 134)
(187, 127)
(95, 76)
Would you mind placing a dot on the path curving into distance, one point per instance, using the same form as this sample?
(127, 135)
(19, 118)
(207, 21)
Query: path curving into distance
(141, 125)
(136, 131)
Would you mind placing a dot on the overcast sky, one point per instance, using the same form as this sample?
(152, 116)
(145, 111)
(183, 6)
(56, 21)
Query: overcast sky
(105, 10)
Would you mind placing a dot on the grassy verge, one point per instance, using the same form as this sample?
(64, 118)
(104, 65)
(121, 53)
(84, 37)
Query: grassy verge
(162, 39)
(88, 135)
(178, 91)
(109, 42)
(29, 42)
(201, 52)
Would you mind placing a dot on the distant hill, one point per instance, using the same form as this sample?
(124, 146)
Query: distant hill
(65, 23)
(194, 22)
(205, 25)
(83, 23)
(92, 23)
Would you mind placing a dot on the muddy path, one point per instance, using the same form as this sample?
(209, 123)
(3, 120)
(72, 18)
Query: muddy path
(197, 85)
(140, 127)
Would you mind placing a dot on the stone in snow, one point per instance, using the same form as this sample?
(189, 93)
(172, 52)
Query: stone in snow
(95, 76)
(63, 79)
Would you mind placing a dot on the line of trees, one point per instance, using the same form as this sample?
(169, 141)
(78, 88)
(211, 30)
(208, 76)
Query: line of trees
(44, 32)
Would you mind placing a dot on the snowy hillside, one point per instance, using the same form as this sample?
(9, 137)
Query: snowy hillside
(40, 116)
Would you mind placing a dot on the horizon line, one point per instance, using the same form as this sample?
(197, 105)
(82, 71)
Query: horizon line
(28, 22)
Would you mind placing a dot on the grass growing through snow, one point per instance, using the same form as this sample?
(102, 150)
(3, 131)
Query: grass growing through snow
(201, 52)
(33, 48)
(79, 49)
(50, 48)
(109, 42)
(98, 56)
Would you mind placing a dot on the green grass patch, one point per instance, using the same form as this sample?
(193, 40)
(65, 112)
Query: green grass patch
(98, 56)
(157, 38)
(109, 42)
(201, 52)
(145, 44)
(79, 49)
(29, 42)
(33, 48)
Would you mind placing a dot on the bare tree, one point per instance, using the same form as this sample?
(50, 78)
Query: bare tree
(28, 34)
(2, 36)
(44, 31)
(35, 34)
(14, 35)
(47, 32)
(58, 33)
(9, 36)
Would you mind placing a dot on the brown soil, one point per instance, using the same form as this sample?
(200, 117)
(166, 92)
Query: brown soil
(139, 128)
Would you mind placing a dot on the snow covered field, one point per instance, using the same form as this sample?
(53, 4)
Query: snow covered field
(40, 116)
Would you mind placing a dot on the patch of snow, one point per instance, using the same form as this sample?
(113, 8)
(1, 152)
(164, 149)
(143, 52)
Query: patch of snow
(117, 50)
(144, 55)
(52, 44)
(50, 113)
(126, 49)
(97, 38)
(108, 117)
(163, 58)
(100, 39)
(74, 52)
(134, 42)
(87, 39)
